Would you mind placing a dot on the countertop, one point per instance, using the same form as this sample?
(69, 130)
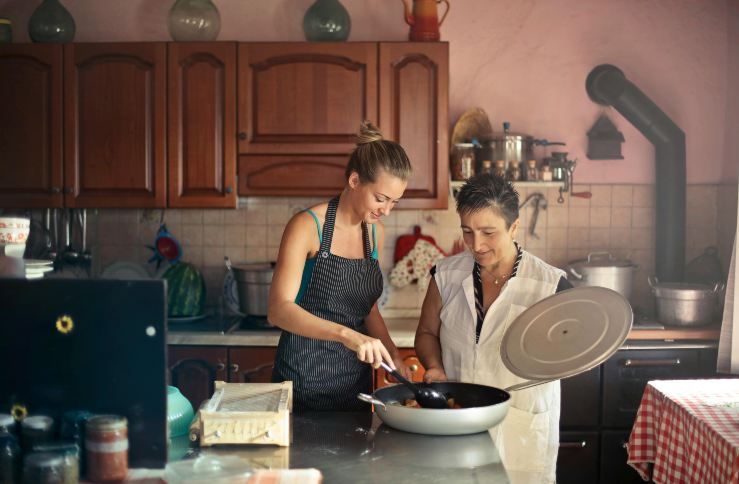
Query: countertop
(356, 447)
(230, 332)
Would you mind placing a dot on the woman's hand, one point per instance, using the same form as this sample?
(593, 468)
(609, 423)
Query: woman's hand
(434, 374)
(369, 350)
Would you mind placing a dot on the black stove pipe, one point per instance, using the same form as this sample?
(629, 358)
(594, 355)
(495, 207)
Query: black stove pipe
(607, 85)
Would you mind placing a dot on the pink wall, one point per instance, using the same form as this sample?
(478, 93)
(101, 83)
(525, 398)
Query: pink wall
(731, 158)
(522, 61)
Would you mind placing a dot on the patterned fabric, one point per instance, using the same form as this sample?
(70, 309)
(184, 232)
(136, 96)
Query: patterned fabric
(686, 431)
(325, 374)
(479, 304)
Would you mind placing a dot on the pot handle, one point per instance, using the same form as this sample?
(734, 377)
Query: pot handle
(653, 281)
(370, 399)
(719, 287)
(599, 254)
(577, 275)
(527, 384)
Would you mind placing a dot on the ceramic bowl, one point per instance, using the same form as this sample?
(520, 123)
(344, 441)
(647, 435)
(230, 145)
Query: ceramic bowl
(14, 230)
(179, 412)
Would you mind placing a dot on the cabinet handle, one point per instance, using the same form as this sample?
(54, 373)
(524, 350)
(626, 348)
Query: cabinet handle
(220, 366)
(413, 367)
(573, 445)
(229, 189)
(234, 367)
(661, 362)
(242, 136)
(56, 190)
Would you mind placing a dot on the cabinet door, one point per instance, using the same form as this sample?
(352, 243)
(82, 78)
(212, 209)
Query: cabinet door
(627, 372)
(202, 125)
(412, 362)
(114, 125)
(302, 98)
(30, 125)
(581, 400)
(194, 369)
(414, 104)
(613, 466)
(252, 364)
(577, 459)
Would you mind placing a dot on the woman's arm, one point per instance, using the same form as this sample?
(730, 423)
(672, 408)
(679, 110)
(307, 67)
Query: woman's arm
(282, 310)
(428, 347)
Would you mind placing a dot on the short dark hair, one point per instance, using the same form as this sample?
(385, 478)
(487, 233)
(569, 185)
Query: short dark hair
(374, 153)
(489, 191)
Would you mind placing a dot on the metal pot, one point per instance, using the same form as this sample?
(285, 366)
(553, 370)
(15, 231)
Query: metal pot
(603, 270)
(511, 147)
(252, 283)
(681, 304)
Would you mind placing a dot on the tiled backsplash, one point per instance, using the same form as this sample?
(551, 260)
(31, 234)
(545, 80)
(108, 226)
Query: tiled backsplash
(618, 218)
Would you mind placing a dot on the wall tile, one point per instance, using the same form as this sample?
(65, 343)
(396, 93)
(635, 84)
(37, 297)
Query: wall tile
(557, 237)
(234, 217)
(621, 217)
(600, 239)
(256, 236)
(235, 235)
(600, 217)
(578, 238)
(577, 201)
(579, 217)
(235, 253)
(214, 235)
(191, 216)
(620, 239)
(213, 256)
(601, 195)
(622, 196)
(213, 216)
(274, 235)
(643, 195)
(643, 217)
(192, 234)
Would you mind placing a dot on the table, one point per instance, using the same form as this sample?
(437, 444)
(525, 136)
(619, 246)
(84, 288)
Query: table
(687, 431)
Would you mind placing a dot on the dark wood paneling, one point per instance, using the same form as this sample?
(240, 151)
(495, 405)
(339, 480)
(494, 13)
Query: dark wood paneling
(577, 459)
(316, 175)
(251, 364)
(303, 98)
(414, 86)
(613, 466)
(202, 125)
(115, 122)
(581, 400)
(194, 369)
(31, 125)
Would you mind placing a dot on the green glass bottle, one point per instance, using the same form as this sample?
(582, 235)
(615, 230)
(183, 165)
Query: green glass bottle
(327, 20)
(51, 22)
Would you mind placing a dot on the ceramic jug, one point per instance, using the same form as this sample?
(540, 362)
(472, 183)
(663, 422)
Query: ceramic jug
(424, 19)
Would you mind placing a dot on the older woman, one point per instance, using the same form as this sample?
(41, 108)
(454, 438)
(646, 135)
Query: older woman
(471, 300)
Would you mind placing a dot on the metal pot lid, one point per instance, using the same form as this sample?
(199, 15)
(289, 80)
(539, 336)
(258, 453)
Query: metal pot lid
(567, 333)
(602, 259)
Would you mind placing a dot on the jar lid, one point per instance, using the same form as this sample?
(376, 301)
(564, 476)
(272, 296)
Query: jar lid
(44, 459)
(106, 422)
(602, 259)
(464, 145)
(38, 422)
(6, 420)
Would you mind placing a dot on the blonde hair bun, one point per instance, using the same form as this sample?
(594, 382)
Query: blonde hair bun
(368, 133)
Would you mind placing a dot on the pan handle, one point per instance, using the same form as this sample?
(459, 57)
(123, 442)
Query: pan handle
(527, 384)
(370, 399)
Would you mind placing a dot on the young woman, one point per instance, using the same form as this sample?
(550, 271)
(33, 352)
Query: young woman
(470, 301)
(328, 279)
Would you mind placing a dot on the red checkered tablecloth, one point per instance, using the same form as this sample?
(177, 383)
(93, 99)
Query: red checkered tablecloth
(687, 431)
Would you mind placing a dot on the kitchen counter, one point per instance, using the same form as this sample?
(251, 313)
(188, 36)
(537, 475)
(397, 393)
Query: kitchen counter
(356, 447)
(229, 332)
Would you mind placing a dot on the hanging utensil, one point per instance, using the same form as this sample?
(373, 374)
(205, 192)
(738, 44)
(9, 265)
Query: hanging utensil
(70, 255)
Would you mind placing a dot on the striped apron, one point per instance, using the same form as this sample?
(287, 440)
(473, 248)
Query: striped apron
(326, 375)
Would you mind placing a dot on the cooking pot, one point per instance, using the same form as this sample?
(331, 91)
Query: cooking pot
(603, 270)
(252, 282)
(511, 147)
(682, 304)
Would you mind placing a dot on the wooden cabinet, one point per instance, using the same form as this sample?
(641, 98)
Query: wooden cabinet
(251, 364)
(577, 459)
(194, 369)
(300, 106)
(31, 125)
(411, 360)
(414, 92)
(115, 125)
(201, 130)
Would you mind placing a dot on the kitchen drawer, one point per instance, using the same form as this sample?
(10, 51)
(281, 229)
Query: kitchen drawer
(581, 400)
(577, 460)
(613, 466)
(627, 372)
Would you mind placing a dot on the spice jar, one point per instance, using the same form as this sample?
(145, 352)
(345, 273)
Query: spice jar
(10, 457)
(514, 172)
(463, 161)
(36, 430)
(532, 172)
(106, 441)
(500, 169)
(53, 467)
(486, 167)
(70, 455)
(546, 173)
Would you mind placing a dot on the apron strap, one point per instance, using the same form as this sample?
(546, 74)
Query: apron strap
(365, 238)
(328, 227)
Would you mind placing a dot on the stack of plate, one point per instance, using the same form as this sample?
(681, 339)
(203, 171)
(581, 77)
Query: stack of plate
(35, 269)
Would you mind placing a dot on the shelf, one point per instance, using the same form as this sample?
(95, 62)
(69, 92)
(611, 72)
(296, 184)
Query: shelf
(519, 184)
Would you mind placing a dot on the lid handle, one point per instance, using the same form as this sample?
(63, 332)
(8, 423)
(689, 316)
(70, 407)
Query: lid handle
(597, 255)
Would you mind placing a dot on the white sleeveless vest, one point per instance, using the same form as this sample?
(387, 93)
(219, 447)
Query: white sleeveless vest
(528, 438)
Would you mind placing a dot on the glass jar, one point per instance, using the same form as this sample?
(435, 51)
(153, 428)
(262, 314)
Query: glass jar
(51, 22)
(51, 467)
(36, 430)
(327, 20)
(532, 172)
(514, 172)
(72, 430)
(463, 161)
(69, 469)
(10, 457)
(106, 441)
(194, 21)
(499, 169)
(486, 166)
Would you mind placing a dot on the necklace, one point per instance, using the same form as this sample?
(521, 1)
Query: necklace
(500, 280)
